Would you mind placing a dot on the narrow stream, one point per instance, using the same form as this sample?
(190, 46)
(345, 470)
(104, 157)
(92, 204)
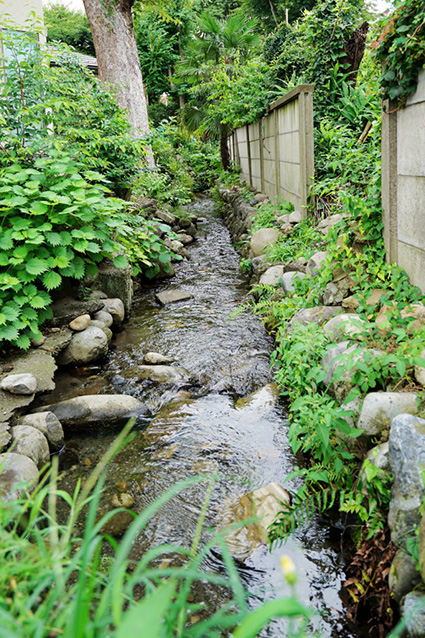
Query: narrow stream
(198, 427)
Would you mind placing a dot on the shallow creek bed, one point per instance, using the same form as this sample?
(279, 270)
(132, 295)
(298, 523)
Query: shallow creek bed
(199, 423)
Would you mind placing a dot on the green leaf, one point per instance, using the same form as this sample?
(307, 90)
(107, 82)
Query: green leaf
(39, 208)
(257, 619)
(52, 280)
(36, 266)
(147, 618)
(120, 261)
(37, 302)
(8, 333)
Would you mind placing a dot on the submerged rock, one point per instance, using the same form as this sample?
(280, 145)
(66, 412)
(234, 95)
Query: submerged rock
(264, 504)
(261, 401)
(18, 473)
(173, 296)
(155, 359)
(103, 409)
(163, 374)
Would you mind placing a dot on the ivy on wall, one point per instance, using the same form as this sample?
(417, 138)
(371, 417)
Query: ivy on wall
(401, 49)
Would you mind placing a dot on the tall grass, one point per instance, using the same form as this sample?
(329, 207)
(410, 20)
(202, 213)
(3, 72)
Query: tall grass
(53, 581)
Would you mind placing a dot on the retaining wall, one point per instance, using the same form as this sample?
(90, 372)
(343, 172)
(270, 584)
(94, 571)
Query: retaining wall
(403, 184)
(276, 153)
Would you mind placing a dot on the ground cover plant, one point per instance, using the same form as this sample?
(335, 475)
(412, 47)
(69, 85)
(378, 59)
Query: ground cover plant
(56, 579)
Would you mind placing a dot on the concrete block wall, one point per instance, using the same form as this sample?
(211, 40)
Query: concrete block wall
(403, 184)
(276, 153)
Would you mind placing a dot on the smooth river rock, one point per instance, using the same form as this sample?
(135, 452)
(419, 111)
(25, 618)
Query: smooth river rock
(85, 347)
(30, 442)
(104, 317)
(272, 276)
(264, 504)
(263, 239)
(289, 280)
(79, 323)
(116, 309)
(173, 296)
(25, 383)
(407, 459)
(316, 314)
(156, 359)
(379, 408)
(163, 374)
(49, 425)
(18, 473)
(102, 409)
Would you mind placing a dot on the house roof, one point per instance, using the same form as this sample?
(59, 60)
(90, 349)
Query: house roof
(89, 61)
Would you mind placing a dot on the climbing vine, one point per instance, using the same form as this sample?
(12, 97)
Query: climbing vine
(401, 49)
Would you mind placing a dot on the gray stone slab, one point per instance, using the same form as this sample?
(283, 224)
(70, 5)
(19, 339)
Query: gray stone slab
(173, 296)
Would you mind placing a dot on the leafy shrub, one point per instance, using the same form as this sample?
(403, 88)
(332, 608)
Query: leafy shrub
(54, 223)
(49, 100)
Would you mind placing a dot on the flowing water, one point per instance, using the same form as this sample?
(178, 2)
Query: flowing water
(199, 427)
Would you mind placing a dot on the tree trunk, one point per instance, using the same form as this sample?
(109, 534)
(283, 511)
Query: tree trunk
(224, 151)
(111, 25)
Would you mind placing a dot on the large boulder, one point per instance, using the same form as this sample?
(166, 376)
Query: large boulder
(407, 458)
(101, 409)
(49, 425)
(414, 314)
(315, 262)
(403, 576)
(345, 326)
(17, 474)
(340, 363)
(379, 409)
(85, 347)
(263, 239)
(32, 443)
(272, 276)
(413, 611)
(289, 280)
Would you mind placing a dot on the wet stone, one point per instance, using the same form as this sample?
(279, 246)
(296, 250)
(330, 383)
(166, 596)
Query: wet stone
(173, 296)
(155, 358)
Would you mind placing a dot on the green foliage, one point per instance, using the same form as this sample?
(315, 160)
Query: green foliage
(68, 26)
(57, 576)
(55, 223)
(401, 49)
(267, 214)
(52, 101)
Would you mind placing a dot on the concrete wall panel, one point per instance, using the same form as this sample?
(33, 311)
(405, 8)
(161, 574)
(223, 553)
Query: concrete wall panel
(277, 154)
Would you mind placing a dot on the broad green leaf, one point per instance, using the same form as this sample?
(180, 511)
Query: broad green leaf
(36, 266)
(39, 208)
(52, 280)
(120, 261)
(147, 617)
(257, 619)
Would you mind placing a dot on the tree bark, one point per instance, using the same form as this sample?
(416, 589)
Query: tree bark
(111, 24)
(224, 151)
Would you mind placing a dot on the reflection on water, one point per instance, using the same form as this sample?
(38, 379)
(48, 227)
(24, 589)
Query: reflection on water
(203, 426)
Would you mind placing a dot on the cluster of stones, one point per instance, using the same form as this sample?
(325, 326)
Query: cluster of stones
(379, 414)
(79, 334)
